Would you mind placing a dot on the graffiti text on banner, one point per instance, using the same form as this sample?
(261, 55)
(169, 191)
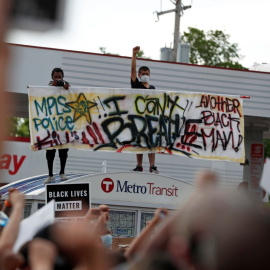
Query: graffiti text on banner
(199, 125)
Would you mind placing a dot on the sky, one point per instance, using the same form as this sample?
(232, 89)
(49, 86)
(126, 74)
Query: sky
(120, 25)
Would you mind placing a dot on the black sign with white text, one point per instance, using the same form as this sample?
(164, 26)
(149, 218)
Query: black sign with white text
(71, 200)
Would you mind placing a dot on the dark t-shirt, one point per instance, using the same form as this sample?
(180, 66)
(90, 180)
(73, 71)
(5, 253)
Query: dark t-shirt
(138, 84)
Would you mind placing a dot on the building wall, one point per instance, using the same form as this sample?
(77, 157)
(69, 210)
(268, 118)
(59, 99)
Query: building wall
(32, 66)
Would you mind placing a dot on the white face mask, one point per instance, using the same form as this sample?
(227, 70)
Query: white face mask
(145, 78)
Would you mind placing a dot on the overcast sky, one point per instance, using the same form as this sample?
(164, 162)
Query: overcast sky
(119, 25)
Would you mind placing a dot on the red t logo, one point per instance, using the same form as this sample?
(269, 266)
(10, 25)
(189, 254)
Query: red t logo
(107, 185)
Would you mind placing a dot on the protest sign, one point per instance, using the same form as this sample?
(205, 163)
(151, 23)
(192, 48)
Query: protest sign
(198, 125)
(71, 200)
(34, 223)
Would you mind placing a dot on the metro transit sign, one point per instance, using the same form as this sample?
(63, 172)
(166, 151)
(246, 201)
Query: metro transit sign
(107, 186)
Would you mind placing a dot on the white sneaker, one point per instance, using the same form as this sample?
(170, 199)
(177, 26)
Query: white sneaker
(63, 177)
(49, 179)
(153, 169)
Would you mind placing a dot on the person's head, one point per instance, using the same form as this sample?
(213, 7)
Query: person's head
(243, 186)
(221, 230)
(57, 74)
(61, 262)
(144, 74)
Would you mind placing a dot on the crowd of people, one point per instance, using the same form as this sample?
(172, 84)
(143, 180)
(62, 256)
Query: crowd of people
(214, 229)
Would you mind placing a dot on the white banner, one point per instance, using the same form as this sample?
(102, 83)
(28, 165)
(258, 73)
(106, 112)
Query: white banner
(199, 125)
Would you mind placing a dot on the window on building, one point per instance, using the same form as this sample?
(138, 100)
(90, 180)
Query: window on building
(122, 223)
(27, 210)
(144, 218)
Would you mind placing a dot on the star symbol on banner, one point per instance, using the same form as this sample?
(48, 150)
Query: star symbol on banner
(82, 107)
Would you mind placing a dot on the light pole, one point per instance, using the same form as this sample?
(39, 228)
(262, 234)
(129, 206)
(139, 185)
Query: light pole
(179, 7)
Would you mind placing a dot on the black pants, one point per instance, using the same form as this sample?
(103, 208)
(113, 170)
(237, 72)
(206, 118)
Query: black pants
(50, 154)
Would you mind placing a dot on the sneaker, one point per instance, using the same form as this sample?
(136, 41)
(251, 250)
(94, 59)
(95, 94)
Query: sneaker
(138, 169)
(63, 177)
(49, 179)
(153, 169)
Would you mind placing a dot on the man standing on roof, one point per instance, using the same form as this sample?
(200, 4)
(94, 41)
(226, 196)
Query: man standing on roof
(57, 80)
(144, 75)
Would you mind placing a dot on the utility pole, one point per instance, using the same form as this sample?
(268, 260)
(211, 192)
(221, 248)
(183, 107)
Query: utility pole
(176, 29)
(179, 8)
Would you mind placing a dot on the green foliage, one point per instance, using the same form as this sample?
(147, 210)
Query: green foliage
(212, 49)
(267, 148)
(140, 54)
(18, 127)
(103, 50)
(267, 204)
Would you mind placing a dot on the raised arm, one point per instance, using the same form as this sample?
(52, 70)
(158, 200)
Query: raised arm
(146, 233)
(11, 230)
(133, 63)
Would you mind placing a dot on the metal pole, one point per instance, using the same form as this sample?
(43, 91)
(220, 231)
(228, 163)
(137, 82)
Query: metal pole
(176, 29)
